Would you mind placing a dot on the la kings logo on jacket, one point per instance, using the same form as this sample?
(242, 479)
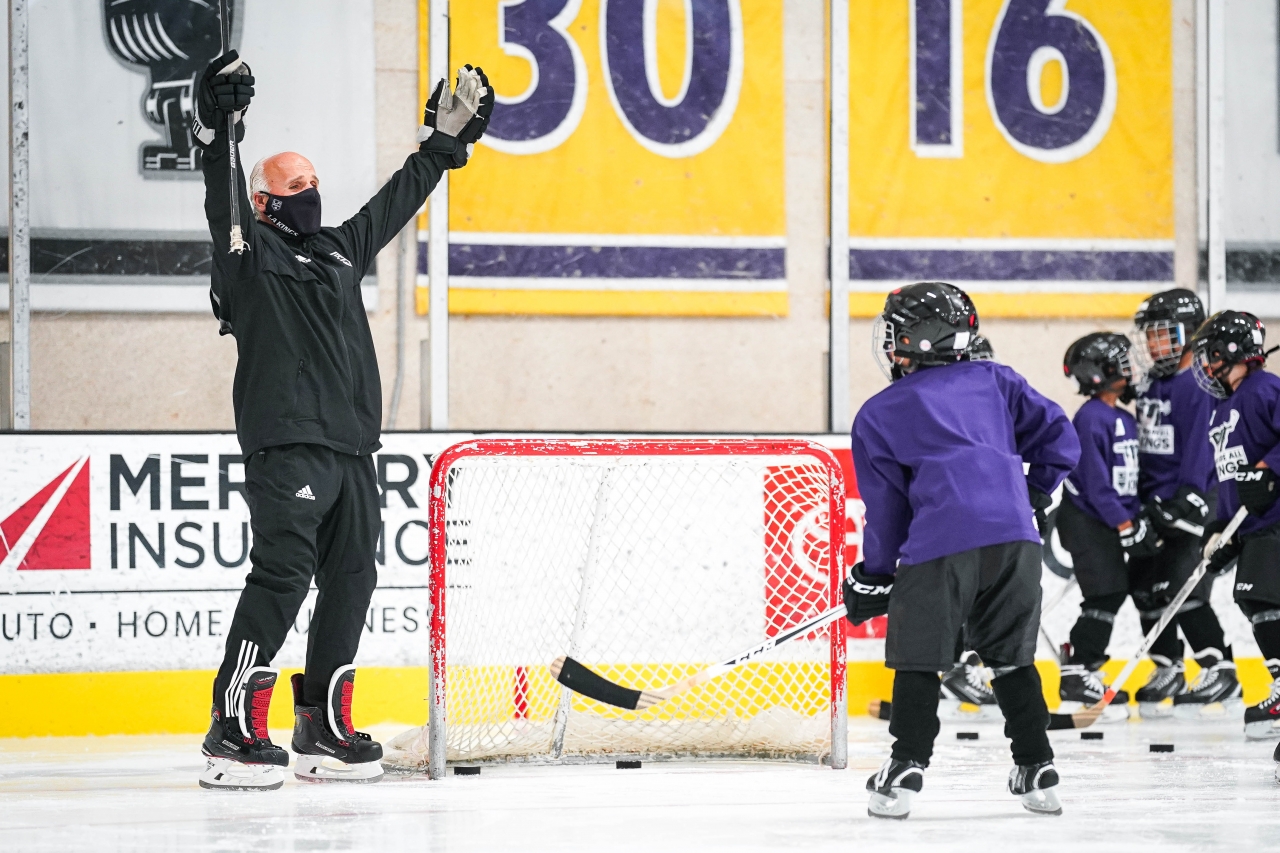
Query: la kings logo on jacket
(1153, 436)
(1124, 477)
(1227, 459)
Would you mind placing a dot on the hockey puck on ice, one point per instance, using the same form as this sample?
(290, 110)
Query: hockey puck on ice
(966, 735)
(627, 765)
(1091, 736)
(1161, 747)
(466, 771)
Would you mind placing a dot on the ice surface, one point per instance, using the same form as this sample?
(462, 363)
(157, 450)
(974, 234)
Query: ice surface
(1215, 792)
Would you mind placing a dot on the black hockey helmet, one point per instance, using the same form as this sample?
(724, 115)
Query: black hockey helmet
(928, 323)
(1163, 326)
(1098, 362)
(1226, 339)
(980, 349)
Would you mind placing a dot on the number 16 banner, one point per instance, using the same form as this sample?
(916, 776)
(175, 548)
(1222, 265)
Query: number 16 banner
(633, 164)
(1020, 148)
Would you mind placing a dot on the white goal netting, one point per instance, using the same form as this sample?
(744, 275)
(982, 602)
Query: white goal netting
(647, 562)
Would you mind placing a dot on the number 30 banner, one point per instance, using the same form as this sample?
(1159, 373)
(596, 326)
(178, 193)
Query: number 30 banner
(633, 164)
(1021, 148)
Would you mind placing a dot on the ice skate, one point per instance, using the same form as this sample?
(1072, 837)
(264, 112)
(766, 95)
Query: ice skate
(1262, 721)
(893, 787)
(1036, 785)
(1215, 693)
(328, 746)
(239, 752)
(1081, 688)
(967, 694)
(1156, 697)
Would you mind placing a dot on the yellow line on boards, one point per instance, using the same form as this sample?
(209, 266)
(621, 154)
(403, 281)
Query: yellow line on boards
(177, 701)
(1023, 305)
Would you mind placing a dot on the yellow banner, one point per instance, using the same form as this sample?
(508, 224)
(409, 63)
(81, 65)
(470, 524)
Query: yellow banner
(633, 164)
(1020, 148)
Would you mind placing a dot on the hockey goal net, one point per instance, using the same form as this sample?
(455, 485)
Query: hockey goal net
(647, 561)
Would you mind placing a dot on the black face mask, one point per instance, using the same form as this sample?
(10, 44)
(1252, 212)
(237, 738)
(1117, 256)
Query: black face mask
(297, 215)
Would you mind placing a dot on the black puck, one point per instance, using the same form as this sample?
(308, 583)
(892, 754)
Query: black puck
(627, 765)
(1161, 747)
(1091, 736)
(466, 771)
(966, 735)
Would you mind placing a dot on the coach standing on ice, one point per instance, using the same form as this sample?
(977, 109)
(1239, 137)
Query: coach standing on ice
(308, 407)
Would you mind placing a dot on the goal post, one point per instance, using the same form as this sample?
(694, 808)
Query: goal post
(646, 560)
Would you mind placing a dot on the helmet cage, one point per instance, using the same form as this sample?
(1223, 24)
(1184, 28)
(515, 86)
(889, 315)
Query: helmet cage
(882, 348)
(1158, 346)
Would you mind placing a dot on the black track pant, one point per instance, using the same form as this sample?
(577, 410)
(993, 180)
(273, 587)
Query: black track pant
(314, 513)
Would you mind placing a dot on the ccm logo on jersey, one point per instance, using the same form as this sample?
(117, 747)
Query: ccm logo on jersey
(1243, 587)
(340, 258)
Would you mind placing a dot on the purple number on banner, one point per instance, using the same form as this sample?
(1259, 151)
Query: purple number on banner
(937, 78)
(1028, 35)
(693, 120)
(548, 111)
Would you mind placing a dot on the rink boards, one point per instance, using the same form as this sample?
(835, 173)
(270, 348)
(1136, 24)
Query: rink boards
(122, 557)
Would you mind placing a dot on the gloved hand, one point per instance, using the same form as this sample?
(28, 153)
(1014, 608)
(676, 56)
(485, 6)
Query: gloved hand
(453, 121)
(226, 87)
(866, 595)
(1220, 555)
(1188, 505)
(1141, 539)
(1039, 503)
(1256, 488)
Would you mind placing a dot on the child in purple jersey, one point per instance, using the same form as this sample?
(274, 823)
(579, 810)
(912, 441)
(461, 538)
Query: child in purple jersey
(950, 539)
(1101, 520)
(1244, 430)
(1177, 485)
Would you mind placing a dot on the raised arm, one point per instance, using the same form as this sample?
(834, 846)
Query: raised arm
(218, 95)
(451, 124)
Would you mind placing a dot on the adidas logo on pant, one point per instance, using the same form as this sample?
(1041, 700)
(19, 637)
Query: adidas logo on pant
(305, 492)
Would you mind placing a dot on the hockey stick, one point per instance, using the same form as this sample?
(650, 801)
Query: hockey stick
(582, 680)
(1165, 618)
(238, 244)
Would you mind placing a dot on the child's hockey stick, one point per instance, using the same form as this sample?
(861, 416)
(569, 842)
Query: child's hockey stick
(1165, 618)
(581, 680)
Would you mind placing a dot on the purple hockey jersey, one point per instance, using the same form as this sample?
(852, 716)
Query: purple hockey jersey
(1244, 429)
(1173, 416)
(1105, 483)
(938, 456)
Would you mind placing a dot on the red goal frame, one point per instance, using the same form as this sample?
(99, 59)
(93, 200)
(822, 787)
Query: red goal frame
(625, 447)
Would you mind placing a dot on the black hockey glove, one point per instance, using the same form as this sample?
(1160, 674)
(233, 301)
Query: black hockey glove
(866, 595)
(1256, 488)
(221, 93)
(1141, 539)
(1039, 503)
(453, 121)
(1188, 505)
(1220, 559)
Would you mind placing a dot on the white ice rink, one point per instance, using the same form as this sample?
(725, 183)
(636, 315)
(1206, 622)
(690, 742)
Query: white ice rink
(1215, 792)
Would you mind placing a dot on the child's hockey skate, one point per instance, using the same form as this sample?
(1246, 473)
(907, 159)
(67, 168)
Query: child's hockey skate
(1156, 697)
(893, 787)
(1215, 694)
(1036, 785)
(1081, 689)
(241, 756)
(328, 746)
(967, 694)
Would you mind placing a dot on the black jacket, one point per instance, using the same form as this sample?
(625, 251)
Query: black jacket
(307, 370)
